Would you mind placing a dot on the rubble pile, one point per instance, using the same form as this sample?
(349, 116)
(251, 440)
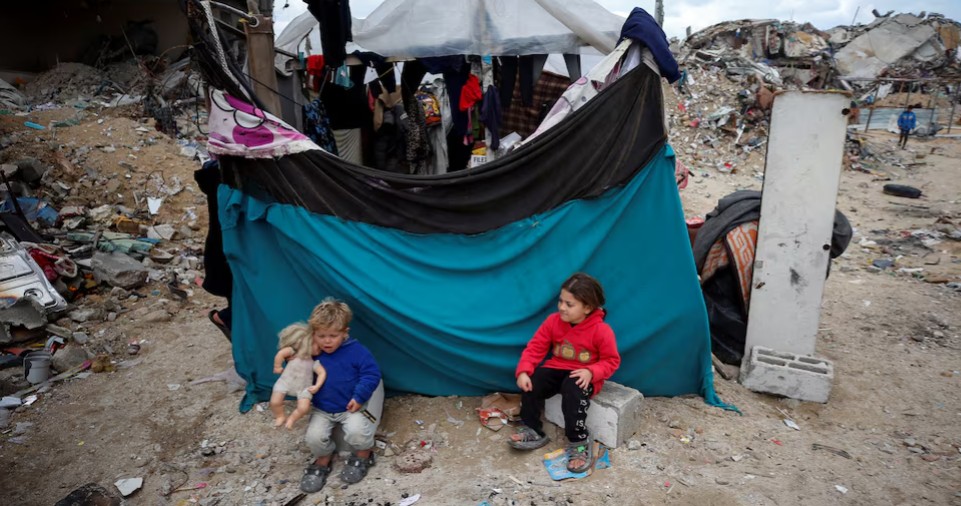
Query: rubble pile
(719, 124)
(785, 53)
(98, 217)
(720, 109)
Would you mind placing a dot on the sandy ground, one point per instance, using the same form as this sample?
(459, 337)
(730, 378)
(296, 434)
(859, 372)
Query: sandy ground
(894, 414)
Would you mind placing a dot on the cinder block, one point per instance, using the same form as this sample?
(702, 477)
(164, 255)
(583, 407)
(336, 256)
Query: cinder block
(796, 376)
(613, 417)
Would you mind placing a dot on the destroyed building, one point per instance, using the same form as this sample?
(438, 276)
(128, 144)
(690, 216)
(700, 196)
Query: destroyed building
(784, 52)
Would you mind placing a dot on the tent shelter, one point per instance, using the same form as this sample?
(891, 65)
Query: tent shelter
(449, 275)
(423, 28)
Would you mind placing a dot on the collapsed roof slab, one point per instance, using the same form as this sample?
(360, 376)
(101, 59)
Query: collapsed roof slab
(887, 43)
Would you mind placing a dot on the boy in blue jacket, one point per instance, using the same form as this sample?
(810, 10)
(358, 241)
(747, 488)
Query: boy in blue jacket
(906, 123)
(352, 377)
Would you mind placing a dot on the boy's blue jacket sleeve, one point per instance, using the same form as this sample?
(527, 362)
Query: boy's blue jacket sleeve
(368, 377)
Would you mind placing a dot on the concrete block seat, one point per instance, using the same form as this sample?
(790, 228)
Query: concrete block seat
(613, 417)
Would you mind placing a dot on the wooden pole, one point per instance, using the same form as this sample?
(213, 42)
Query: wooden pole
(877, 89)
(260, 61)
(954, 102)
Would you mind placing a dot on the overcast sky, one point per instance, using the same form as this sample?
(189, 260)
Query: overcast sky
(699, 14)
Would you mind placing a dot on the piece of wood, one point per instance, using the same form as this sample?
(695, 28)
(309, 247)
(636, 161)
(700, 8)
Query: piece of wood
(260, 61)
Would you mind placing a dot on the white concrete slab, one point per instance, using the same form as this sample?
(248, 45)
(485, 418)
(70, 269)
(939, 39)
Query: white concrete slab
(801, 181)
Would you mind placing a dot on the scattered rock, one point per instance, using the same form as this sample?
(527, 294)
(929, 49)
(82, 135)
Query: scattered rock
(83, 314)
(32, 170)
(90, 494)
(412, 461)
(157, 316)
(68, 357)
(721, 481)
(633, 445)
(58, 330)
(118, 270)
(80, 337)
(128, 486)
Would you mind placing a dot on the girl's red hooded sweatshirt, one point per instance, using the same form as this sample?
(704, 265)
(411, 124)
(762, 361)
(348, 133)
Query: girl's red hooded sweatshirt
(587, 345)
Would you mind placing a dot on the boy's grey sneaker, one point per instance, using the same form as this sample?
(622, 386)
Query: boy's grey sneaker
(356, 468)
(314, 479)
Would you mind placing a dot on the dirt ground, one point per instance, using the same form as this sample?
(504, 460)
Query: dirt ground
(889, 435)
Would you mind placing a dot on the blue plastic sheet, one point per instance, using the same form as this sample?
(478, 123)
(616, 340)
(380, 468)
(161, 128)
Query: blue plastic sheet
(448, 314)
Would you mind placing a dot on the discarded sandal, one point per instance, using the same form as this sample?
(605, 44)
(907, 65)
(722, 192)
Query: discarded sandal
(529, 439)
(223, 328)
(356, 468)
(314, 479)
(582, 451)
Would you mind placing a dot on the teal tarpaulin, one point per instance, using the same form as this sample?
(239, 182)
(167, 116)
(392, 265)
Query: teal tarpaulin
(448, 314)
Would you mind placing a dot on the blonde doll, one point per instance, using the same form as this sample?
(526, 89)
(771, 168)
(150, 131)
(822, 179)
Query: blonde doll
(296, 348)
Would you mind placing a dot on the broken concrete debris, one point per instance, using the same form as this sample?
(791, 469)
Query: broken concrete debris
(731, 71)
(118, 269)
(789, 53)
(80, 245)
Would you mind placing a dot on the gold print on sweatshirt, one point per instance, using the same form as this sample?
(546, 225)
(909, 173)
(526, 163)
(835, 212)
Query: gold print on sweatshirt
(564, 350)
(584, 357)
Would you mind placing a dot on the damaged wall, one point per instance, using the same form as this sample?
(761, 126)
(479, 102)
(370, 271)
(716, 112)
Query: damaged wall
(65, 30)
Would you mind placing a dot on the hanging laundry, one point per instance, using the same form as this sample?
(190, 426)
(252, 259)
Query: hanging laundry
(335, 28)
(530, 67)
(347, 108)
(470, 94)
(315, 71)
(491, 115)
(455, 71)
(428, 101)
(342, 77)
(438, 136)
(508, 66)
(389, 132)
(641, 27)
(418, 148)
(317, 126)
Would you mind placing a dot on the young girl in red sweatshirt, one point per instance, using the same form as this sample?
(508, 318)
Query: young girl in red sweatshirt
(584, 355)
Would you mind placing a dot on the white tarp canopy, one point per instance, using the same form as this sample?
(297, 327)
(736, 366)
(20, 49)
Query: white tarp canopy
(422, 28)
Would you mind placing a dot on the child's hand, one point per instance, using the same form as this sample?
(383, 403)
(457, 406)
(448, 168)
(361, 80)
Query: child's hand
(278, 369)
(313, 388)
(582, 377)
(354, 406)
(524, 382)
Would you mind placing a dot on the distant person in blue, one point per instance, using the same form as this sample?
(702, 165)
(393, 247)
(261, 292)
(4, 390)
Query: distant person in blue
(906, 122)
(352, 377)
